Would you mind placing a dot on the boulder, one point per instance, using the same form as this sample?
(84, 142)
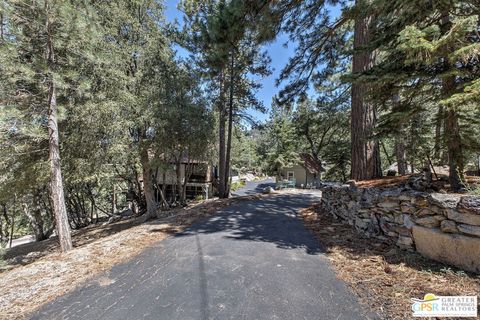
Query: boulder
(419, 183)
(453, 249)
(391, 173)
(444, 200)
(126, 213)
(388, 228)
(424, 212)
(368, 227)
(392, 229)
(407, 208)
(404, 196)
(267, 190)
(351, 204)
(405, 242)
(407, 221)
(391, 193)
(389, 204)
(449, 226)
(392, 216)
(470, 230)
(369, 197)
(469, 204)
(420, 202)
(463, 217)
(398, 218)
(430, 221)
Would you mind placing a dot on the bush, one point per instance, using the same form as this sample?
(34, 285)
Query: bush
(237, 185)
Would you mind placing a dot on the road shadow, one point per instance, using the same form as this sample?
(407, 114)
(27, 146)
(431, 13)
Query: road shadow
(272, 219)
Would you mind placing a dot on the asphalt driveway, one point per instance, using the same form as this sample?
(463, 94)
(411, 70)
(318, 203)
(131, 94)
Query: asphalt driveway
(254, 260)
(253, 187)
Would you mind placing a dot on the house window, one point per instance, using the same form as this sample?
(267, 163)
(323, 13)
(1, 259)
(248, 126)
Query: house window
(290, 175)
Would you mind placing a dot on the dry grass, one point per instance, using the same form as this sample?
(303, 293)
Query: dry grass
(52, 274)
(383, 276)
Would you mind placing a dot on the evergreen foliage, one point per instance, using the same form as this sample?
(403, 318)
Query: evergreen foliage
(95, 104)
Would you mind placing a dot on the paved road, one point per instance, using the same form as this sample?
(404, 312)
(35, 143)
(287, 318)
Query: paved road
(253, 187)
(254, 260)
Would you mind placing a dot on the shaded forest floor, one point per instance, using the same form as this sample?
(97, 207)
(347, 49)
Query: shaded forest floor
(40, 272)
(383, 276)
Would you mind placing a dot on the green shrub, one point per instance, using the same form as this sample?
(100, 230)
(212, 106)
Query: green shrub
(237, 185)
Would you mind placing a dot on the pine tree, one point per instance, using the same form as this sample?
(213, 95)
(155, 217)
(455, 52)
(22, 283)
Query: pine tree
(430, 49)
(138, 43)
(43, 62)
(224, 37)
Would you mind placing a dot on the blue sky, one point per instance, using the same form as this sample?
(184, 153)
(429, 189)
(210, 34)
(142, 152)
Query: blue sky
(276, 50)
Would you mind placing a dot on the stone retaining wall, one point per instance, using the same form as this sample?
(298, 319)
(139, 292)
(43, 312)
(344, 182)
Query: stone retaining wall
(443, 227)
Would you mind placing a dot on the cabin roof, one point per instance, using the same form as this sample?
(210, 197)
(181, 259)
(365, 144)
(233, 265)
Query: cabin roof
(309, 163)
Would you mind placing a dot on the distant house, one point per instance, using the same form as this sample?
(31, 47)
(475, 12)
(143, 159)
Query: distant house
(306, 173)
(199, 175)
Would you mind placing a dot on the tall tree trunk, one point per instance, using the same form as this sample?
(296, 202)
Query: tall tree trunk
(1, 27)
(455, 153)
(56, 182)
(401, 155)
(148, 190)
(163, 189)
(365, 151)
(230, 125)
(478, 164)
(114, 199)
(452, 126)
(12, 220)
(221, 141)
(187, 175)
(35, 217)
(179, 181)
(437, 149)
(3, 230)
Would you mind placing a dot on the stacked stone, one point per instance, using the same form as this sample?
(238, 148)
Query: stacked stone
(444, 227)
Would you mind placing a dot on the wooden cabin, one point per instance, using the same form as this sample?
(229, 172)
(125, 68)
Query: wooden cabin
(199, 183)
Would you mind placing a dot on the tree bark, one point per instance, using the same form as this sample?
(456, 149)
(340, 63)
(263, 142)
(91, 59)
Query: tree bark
(35, 218)
(365, 151)
(187, 175)
(437, 153)
(12, 220)
(455, 153)
(56, 181)
(478, 164)
(221, 141)
(114, 200)
(1, 27)
(163, 189)
(452, 126)
(230, 125)
(148, 190)
(178, 165)
(401, 155)
(4, 231)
